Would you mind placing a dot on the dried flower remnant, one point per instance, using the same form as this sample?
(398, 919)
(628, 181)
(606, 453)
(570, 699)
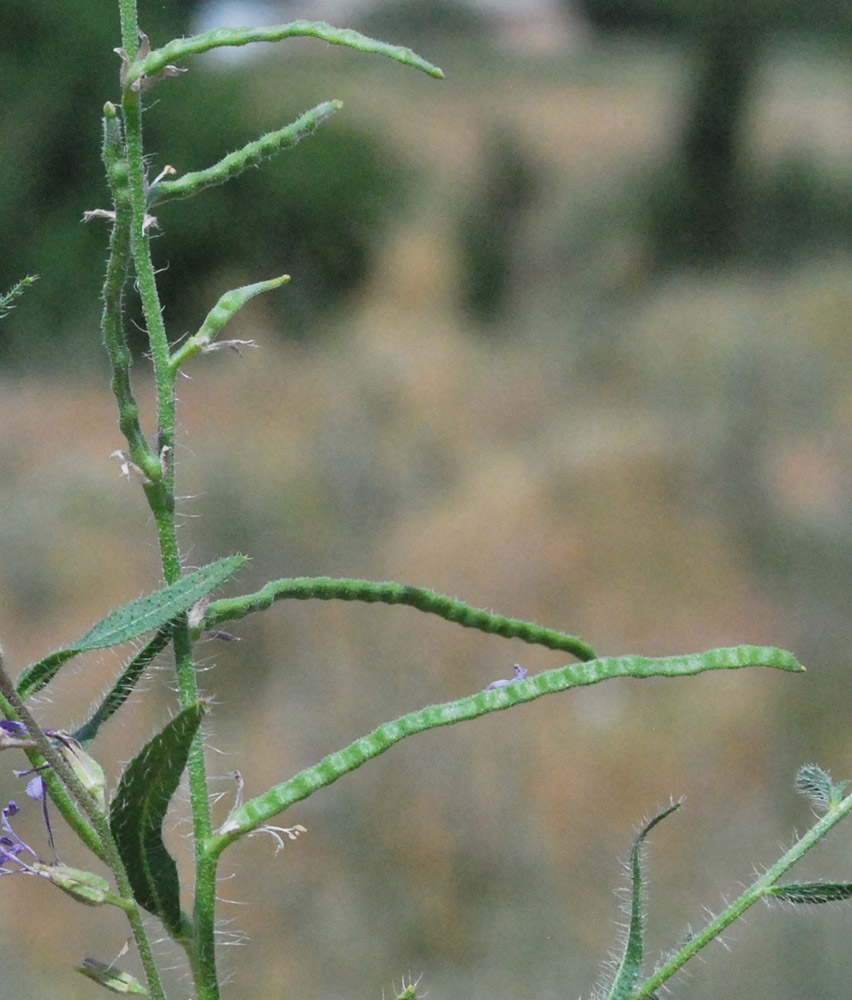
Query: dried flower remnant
(520, 674)
(144, 82)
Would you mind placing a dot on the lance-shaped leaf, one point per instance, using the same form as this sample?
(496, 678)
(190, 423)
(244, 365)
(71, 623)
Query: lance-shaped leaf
(134, 619)
(155, 62)
(137, 814)
(627, 973)
(123, 687)
(815, 782)
(812, 892)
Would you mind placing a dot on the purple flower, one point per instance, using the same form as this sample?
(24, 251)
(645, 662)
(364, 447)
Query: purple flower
(12, 847)
(14, 734)
(18, 858)
(520, 674)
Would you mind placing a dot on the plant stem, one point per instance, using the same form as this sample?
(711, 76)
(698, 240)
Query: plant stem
(757, 890)
(161, 499)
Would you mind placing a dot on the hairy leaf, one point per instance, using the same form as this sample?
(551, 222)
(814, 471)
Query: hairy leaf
(627, 973)
(812, 892)
(134, 619)
(123, 687)
(137, 814)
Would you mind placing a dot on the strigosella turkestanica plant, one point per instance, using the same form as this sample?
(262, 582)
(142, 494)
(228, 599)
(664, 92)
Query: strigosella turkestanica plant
(124, 828)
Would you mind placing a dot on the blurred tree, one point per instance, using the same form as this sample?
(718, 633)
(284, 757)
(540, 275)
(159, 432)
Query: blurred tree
(308, 217)
(489, 227)
(703, 197)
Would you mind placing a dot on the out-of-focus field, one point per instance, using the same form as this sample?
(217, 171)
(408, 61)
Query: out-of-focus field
(657, 465)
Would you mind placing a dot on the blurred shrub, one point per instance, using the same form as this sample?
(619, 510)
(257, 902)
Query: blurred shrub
(702, 196)
(689, 16)
(305, 214)
(489, 228)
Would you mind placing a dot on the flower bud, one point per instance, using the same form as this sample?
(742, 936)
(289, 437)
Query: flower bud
(86, 887)
(87, 770)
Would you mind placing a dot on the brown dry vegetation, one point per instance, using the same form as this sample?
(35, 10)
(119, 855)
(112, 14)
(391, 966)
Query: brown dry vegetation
(579, 469)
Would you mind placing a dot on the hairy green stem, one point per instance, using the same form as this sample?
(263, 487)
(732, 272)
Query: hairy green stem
(58, 794)
(161, 498)
(759, 889)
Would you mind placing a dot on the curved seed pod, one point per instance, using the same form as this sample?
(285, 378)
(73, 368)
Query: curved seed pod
(259, 810)
(225, 309)
(155, 62)
(325, 588)
(249, 156)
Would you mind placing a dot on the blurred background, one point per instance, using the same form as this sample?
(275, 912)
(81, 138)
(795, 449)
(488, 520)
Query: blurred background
(567, 337)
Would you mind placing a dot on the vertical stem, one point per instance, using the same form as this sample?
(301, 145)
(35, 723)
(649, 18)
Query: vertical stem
(161, 499)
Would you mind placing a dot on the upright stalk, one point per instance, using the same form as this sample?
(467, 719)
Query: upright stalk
(160, 492)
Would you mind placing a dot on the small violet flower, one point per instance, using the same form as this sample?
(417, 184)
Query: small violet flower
(17, 857)
(12, 847)
(520, 674)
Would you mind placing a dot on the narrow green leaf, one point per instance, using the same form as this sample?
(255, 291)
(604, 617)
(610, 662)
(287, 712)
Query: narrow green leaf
(627, 973)
(812, 892)
(262, 808)
(8, 299)
(123, 687)
(138, 810)
(325, 588)
(134, 619)
(156, 61)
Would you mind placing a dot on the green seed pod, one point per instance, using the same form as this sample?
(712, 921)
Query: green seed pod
(85, 887)
(114, 979)
(88, 771)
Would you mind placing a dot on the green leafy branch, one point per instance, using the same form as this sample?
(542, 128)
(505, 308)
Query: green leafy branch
(829, 797)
